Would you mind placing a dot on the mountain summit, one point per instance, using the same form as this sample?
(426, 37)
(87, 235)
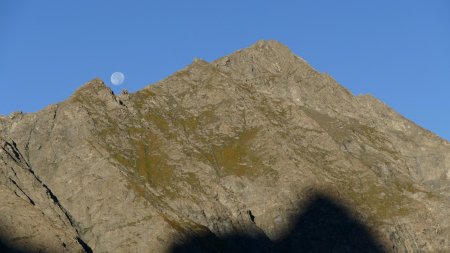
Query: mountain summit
(253, 152)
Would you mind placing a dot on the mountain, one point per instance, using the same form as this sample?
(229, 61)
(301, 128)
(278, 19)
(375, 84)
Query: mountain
(253, 152)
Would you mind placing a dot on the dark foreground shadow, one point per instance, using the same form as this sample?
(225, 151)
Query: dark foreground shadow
(5, 248)
(323, 226)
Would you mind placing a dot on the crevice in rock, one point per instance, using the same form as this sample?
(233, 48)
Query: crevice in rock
(26, 195)
(69, 217)
(85, 246)
(13, 171)
(8, 148)
(55, 113)
(56, 201)
(27, 145)
(252, 217)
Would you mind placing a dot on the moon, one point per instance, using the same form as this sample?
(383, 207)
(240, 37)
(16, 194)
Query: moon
(117, 78)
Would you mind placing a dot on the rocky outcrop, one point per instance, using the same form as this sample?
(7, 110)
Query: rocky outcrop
(31, 217)
(238, 146)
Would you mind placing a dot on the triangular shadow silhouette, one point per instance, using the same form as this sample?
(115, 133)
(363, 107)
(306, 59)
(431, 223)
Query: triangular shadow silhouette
(324, 225)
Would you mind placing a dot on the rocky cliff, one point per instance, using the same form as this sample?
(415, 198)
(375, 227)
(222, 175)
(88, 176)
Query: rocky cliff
(253, 146)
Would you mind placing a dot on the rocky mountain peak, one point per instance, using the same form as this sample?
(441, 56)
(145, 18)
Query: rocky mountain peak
(263, 57)
(95, 93)
(270, 49)
(94, 88)
(228, 156)
(94, 85)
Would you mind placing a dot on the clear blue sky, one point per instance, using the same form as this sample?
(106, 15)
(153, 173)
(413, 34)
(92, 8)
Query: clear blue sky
(399, 51)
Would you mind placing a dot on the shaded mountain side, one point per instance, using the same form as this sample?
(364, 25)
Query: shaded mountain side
(237, 146)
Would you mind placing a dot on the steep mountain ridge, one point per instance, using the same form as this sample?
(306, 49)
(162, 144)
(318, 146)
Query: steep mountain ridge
(237, 145)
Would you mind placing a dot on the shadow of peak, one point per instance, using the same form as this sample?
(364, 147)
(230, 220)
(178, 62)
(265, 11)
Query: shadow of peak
(323, 225)
(229, 243)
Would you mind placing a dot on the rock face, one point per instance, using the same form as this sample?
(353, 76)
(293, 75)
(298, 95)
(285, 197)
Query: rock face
(32, 219)
(226, 156)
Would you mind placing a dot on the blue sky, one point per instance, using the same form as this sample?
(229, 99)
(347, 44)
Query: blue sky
(399, 51)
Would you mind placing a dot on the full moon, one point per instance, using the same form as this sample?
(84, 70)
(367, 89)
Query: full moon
(117, 78)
